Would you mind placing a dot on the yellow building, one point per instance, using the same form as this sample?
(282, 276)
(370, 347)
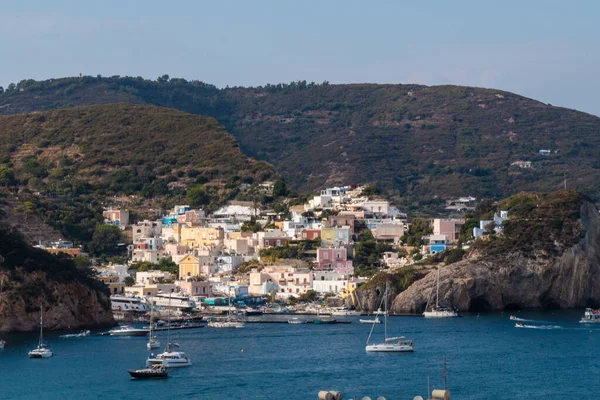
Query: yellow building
(189, 266)
(196, 237)
(327, 234)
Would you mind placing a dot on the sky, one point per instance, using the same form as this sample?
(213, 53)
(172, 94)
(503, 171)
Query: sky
(543, 49)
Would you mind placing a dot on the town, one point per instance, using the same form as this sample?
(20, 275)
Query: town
(251, 254)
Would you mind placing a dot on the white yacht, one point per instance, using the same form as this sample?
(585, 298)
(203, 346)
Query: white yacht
(126, 330)
(376, 320)
(590, 316)
(177, 301)
(42, 350)
(436, 311)
(169, 358)
(119, 302)
(393, 344)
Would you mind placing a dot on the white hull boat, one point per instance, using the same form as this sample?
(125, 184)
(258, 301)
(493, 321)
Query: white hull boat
(126, 330)
(2, 343)
(42, 350)
(296, 321)
(226, 324)
(590, 316)
(390, 345)
(171, 359)
(437, 311)
(370, 321)
(153, 343)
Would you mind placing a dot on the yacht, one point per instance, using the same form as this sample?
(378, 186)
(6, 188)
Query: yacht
(119, 302)
(590, 316)
(126, 330)
(376, 320)
(392, 344)
(436, 311)
(153, 342)
(169, 358)
(42, 350)
(344, 312)
(179, 302)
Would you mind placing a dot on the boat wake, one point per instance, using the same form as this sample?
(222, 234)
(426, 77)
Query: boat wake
(76, 335)
(546, 327)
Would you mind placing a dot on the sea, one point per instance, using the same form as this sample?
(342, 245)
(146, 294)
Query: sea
(487, 357)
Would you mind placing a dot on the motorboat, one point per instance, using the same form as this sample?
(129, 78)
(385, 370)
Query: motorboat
(176, 301)
(590, 316)
(322, 321)
(370, 321)
(392, 344)
(519, 325)
(380, 312)
(2, 343)
(169, 358)
(436, 311)
(344, 312)
(76, 335)
(296, 321)
(126, 330)
(42, 350)
(153, 372)
(513, 318)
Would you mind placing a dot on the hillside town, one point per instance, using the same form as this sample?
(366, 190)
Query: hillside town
(252, 254)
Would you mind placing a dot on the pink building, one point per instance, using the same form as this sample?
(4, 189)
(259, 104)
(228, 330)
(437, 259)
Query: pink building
(448, 227)
(174, 249)
(334, 259)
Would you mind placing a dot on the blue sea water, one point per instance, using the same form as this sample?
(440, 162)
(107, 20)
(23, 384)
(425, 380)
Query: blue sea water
(487, 357)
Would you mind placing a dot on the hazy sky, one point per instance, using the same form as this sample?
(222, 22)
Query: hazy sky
(547, 50)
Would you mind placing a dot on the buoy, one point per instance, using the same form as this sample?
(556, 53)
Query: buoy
(242, 350)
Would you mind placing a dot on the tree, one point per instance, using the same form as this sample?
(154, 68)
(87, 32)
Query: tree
(163, 79)
(197, 196)
(280, 188)
(309, 296)
(129, 280)
(105, 240)
(369, 190)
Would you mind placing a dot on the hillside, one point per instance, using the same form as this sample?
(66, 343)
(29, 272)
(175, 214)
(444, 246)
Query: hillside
(548, 256)
(71, 297)
(416, 142)
(66, 162)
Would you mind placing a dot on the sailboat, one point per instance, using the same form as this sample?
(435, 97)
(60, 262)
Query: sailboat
(437, 311)
(393, 344)
(153, 342)
(43, 350)
(229, 322)
(169, 358)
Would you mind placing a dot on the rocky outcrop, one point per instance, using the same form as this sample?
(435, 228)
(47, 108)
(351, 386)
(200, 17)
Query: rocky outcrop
(517, 279)
(67, 305)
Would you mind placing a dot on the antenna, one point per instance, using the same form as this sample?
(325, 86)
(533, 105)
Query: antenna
(565, 180)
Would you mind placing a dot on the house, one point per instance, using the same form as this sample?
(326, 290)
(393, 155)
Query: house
(437, 243)
(335, 236)
(329, 282)
(151, 277)
(522, 164)
(390, 232)
(151, 256)
(146, 229)
(310, 234)
(237, 213)
(484, 224)
(115, 285)
(191, 266)
(118, 218)
(195, 288)
(342, 220)
(334, 259)
(227, 263)
(391, 260)
(197, 236)
(376, 206)
(284, 280)
(448, 227)
(544, 152)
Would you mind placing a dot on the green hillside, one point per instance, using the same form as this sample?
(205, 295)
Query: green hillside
(67, 162)
(416, 142)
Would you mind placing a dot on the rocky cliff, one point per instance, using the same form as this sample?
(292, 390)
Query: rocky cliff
(547, 257)
(31, 277)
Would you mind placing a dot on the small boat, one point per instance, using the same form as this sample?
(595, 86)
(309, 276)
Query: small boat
(153, 372)
(437, 311)
(2, 343)
(296, 321)
(228, 322)
(344, 312)
(169, 358)
(590, 316)
(322, 321)
(42, 350)
(76, 335)
(153, 342)
(380, 312)
(513, 318)
(126, 330)
(370, 321)
(519, 325)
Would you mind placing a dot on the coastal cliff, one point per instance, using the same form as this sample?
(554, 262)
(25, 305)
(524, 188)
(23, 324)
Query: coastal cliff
(548, 256)
(30, 277)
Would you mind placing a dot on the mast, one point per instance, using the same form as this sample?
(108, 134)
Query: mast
(444, 375)
(41, 325)
(385, 313)
(437, 290)
(169, 326)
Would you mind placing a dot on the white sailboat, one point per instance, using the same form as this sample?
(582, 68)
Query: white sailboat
(169, 358)
(228, 322)
(393, 344)
(153, 342)
(437, 311)
(42, 350)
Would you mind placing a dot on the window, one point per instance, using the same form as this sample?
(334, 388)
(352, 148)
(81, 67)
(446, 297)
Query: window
(325, 256)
